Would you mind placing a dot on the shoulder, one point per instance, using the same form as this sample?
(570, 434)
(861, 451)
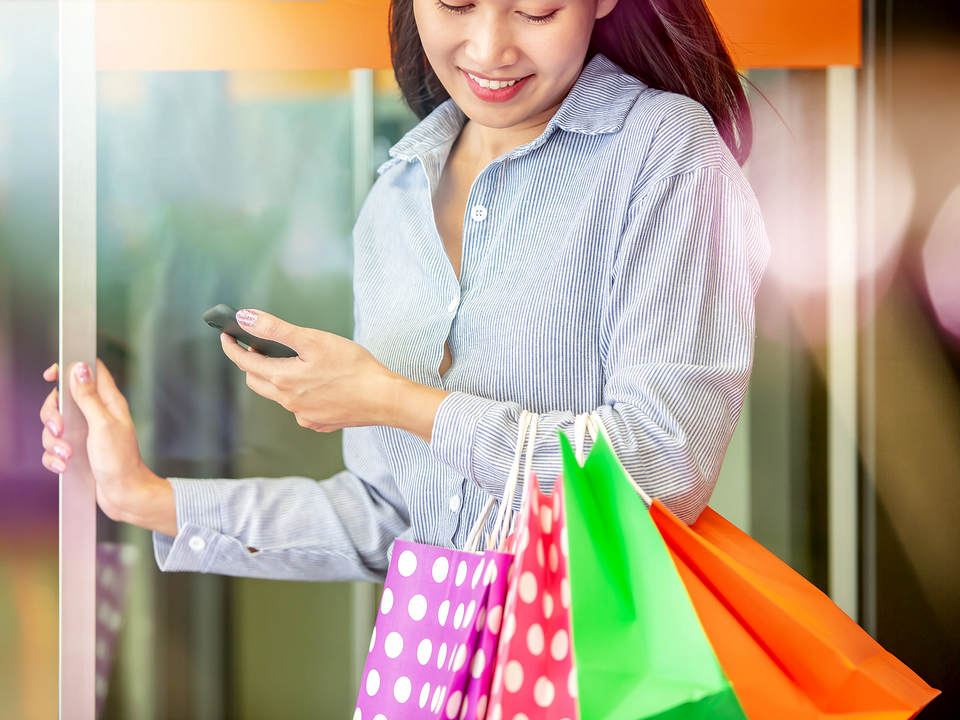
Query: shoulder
(673, 134)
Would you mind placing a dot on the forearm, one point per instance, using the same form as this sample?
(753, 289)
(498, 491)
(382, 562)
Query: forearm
(152, 507)
(413, 407)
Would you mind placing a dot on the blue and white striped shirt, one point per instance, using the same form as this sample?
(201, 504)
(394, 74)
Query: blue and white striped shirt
(611, 264)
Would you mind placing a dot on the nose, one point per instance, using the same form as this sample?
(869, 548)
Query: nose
(490, 43)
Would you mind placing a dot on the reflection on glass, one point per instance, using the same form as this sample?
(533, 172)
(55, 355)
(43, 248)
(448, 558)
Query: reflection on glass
(233, 188)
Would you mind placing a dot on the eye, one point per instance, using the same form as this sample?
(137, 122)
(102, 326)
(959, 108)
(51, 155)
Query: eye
(461, 9)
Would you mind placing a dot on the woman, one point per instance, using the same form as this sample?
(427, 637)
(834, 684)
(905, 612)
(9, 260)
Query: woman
(581, 238)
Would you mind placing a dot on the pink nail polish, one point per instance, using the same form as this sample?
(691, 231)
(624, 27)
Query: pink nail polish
(51, 426)
(247, 318)
(83, 372)
(58, 465)
(61, 451)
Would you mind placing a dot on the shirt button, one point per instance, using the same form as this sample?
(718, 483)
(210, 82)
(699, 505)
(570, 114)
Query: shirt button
(478, 212)
(197, 543)
(452, 307)
(455, 503)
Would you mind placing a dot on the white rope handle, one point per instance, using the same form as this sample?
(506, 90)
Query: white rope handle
(501, 526)
(592, 421)
(527, 420)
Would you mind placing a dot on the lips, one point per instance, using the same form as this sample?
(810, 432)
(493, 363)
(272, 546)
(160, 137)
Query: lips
(484, 77)
(490, 95)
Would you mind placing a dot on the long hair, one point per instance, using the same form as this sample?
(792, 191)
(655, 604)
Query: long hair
(670, 45)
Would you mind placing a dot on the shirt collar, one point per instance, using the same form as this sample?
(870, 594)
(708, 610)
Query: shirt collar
(595, 104)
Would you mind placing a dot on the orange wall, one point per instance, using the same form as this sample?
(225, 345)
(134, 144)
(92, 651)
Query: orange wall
(268, 35)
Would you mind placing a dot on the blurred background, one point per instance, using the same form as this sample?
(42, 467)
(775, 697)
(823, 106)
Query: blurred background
(241, 186)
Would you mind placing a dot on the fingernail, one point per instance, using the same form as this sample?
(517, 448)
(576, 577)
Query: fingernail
(246, 317)
(57, 465)
(61, 451)
(51, 426)
(82, 373)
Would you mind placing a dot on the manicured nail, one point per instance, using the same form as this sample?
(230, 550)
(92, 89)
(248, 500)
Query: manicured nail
(82, 373)
(57, 465)
(246, 317)
(61, 451)
(51, 426)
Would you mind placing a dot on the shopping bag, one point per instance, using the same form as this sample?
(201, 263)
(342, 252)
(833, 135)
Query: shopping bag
(639, 649)
(534, 675)
(787, 649)
(432, 647)
(427, 630)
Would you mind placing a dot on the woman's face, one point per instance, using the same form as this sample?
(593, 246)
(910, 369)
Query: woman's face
(505, 40)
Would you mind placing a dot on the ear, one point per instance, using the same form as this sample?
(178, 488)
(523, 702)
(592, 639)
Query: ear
(605, 7)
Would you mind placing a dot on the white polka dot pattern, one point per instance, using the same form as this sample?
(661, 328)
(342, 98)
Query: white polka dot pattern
(436, 635)
(534, 674)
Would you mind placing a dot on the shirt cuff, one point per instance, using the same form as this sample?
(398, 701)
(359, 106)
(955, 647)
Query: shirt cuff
(198, 528)
(455, 428)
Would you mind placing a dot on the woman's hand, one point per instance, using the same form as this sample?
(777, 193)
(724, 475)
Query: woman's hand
(333, 383)
(122, 479)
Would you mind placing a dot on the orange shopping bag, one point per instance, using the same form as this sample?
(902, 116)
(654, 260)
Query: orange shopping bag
(787, 649)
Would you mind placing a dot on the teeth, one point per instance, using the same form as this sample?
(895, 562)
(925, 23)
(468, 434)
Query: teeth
(492, 84)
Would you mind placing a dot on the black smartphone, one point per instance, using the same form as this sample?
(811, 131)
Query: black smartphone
(224, 318)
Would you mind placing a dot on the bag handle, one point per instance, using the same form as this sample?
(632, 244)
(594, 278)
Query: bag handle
(528, 420)
(501, 527)
(591, 421)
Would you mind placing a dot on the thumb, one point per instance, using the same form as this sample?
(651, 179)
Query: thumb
(270, 327)
(110, 395)
(83, 388)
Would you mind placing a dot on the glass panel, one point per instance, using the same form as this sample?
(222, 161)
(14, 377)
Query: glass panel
(912, 397)
(237, 188)
(28, 344)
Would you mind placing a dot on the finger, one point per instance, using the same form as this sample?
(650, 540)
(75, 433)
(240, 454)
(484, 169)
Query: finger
(265, 325)
(53, 463)
(51, 373)
(111, 396)
(57, 447)
(251, 362)
(50, 413)
(83, 388)
(263, 388)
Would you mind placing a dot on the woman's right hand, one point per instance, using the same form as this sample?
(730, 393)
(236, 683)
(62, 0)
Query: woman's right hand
(122, 479)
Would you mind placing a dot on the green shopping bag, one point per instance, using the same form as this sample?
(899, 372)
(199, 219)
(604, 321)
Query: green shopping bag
(639, 649)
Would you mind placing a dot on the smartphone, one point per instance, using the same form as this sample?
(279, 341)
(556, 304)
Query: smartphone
(224, 318)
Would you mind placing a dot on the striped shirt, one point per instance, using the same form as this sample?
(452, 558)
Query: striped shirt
(610, 264)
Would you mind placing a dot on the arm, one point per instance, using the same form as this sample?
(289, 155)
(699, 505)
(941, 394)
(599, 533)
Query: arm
(678, 330)
(290, 528)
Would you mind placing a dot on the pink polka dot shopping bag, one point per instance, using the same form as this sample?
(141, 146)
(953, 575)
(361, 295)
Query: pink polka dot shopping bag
(436, 634)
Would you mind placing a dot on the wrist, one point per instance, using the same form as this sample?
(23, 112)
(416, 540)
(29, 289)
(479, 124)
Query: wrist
(412, 406)
(151, 504)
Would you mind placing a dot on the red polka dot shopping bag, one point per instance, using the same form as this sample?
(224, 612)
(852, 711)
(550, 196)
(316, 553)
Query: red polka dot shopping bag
(434, 642)
(534, 675)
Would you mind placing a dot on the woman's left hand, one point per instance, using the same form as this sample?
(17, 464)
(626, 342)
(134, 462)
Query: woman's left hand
(333, 383)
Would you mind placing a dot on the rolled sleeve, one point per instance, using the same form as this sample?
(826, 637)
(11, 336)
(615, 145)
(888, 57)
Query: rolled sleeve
(455, 427)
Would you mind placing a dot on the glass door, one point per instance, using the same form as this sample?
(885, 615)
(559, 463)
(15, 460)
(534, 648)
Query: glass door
(196, 174)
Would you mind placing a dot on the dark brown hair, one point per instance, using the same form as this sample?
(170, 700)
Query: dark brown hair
(667, 44)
